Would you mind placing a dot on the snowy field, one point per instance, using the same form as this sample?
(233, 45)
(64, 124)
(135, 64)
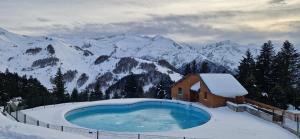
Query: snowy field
(13, 130)
(224, 123)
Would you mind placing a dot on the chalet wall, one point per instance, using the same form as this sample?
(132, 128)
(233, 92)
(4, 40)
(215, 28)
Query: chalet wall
(211, 100)
(185, 84)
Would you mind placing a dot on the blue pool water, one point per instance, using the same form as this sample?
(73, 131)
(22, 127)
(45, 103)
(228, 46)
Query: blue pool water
(148, 116)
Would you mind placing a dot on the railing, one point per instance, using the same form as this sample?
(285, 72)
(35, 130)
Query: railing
(95, 134)
(291, 122)
(287, 120)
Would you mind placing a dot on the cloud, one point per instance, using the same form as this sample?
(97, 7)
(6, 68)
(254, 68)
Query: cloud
(277, 2)
(42, 19)
(183, 28)
(190, 21)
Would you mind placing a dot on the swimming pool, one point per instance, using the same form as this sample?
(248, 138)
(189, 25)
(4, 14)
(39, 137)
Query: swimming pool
(146, 116)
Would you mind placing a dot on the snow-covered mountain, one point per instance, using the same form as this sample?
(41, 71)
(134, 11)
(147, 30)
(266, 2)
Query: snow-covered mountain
(108, 59)
(227, 53)
(83, 61)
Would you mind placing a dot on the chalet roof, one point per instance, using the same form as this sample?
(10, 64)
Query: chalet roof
(224, 85)
(196, 86)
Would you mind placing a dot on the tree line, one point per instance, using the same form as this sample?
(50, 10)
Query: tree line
(192, 68)
(30, 89)
(34, 94)
(272, 78)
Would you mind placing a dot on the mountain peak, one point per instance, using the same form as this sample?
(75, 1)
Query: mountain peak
(227, 42)
(160, 37)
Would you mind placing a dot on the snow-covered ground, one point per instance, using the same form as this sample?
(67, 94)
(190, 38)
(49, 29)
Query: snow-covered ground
(292, 109)
(224, 123)
(13, 130)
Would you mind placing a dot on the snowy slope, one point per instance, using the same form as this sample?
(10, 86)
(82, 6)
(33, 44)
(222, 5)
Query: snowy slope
(13, 130)
(149, 48)
(79, 55)
(227, 53)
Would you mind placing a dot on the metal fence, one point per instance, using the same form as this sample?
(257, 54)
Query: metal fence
(290, 121)
(287, 120)
(95, 134)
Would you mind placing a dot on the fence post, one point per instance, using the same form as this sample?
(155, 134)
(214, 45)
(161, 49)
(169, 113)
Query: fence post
(139, 136)
(62, 128)
(9, 109)
(97, 134)
(25, 118)
(48, 126)
(298, 124)
(283, 117)
(183, 137)
(273, 116)
(17, 115)
(38, 123)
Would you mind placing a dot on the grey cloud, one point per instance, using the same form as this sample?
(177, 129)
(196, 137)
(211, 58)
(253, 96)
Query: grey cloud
(42, 19)
(233, 15)
(173, 24)
(277, 1)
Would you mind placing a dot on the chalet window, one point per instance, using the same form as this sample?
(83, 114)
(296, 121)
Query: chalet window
(205, 95)
(180, 91)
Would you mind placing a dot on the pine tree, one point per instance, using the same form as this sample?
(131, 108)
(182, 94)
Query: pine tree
(286, 70)
(116, 95)
(204, 67)
(74, 95)
(263, 73)
(246, 76)
(84, 95)
(253, 90)
(132, 89)
(160, 92)
(97, 93)
(246, 67)
(107, 95)
(163, 89)
(194, 67)
(4, 95)
(187, 69)
(67, 98)
(297, 96)
(50, 49)
(278, 97)
(59, 86)
(287, 65)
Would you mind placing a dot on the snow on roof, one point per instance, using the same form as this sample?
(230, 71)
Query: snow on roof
(196, 86)
(224, 85)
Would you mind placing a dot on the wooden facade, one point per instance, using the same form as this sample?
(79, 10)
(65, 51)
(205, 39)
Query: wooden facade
(182, 91)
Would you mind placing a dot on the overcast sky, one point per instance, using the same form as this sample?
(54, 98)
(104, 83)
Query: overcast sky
(190, 21)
